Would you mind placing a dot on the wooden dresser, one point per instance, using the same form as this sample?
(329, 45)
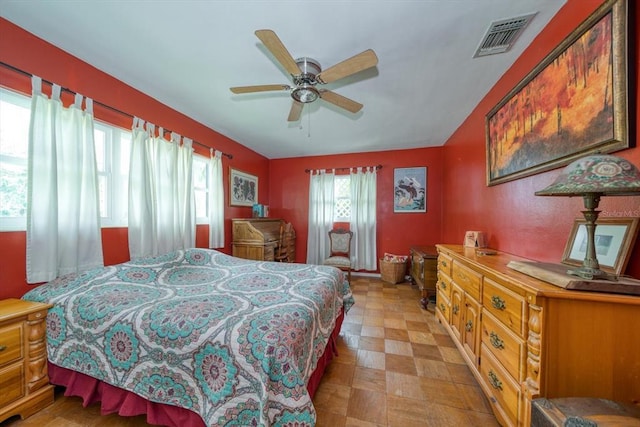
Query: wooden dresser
(423, 271)
(524, 338)
(255, 238)
(24, 383)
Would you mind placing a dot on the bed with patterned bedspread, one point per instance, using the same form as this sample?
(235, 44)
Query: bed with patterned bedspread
(233, 340)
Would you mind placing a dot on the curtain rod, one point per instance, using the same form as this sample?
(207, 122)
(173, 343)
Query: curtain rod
(25, 73)
(344, 169)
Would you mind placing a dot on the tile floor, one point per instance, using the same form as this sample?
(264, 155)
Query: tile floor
(397, 366)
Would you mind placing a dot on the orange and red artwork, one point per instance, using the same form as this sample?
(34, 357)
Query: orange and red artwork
(566, 109)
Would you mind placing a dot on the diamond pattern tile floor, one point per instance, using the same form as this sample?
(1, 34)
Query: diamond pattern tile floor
(397, 366)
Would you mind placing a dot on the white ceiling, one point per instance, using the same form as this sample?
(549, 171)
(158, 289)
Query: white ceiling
(188, 53)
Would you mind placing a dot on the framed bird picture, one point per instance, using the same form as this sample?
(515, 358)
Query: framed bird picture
(410, 190)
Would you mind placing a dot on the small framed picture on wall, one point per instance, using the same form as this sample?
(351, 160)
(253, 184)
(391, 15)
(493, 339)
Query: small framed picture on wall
(410, 189)
(243, 189)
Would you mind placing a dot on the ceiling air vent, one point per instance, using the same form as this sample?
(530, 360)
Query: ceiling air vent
(501, 35)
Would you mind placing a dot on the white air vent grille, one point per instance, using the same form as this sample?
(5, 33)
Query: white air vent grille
(501, 35)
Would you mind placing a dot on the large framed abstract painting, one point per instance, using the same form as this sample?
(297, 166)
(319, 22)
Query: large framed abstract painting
(410, 189)
(574, 103)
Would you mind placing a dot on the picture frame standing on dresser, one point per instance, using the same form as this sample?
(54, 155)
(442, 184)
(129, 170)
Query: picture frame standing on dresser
(410, 189)
(572, 104)
(243, 188)
(614, 238)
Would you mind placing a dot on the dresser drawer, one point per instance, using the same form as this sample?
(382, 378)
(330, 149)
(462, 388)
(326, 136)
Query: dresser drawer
(443, 306)
(467, 279)
(444, 284)
(507, 347)
(11, 383)
(10, 343)
(505, 305)
(501, 386)
(444, 264)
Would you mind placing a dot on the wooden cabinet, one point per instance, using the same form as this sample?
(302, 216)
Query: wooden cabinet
(255, 238)
(525, 339)
(424, 270)
(24, 383)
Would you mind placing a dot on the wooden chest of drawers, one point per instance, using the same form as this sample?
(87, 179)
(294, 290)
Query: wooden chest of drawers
(423, 270)
(23, 359)
(525, 339)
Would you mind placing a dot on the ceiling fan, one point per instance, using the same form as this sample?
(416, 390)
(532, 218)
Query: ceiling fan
(306, 73)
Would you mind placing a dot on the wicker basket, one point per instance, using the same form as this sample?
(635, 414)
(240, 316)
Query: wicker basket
(392, 272)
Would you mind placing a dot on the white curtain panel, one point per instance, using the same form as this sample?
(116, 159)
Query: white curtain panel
(216, 201)
(161, 199)
(63, 208)
(321, 200)
(363, 218)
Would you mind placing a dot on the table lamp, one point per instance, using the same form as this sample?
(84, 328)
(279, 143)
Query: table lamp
(593, 177)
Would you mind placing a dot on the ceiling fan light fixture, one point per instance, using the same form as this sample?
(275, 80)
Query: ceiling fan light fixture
(305, 93)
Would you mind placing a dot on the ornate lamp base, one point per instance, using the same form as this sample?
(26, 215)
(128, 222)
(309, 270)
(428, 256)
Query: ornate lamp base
(592, 274)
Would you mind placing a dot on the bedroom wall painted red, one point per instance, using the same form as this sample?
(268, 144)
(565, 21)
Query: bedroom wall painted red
(396, 232)
(515, 220)
(29, 53)
(458, 200)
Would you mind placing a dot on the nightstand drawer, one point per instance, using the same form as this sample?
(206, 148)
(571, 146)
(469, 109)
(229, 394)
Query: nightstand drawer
(11, 383)
(10, 344)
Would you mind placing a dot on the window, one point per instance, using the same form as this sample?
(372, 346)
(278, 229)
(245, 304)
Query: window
(201, 188)
(15, 112)
(113, 151)
(342, 195)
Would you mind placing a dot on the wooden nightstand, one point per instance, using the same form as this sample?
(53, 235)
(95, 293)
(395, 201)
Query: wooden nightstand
(23, 358)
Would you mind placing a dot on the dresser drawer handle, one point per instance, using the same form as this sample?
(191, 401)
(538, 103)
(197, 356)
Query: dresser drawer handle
(455, 309)
(495, 382)
(444, 263)
(443, 285)
(469, 326)
(3, 347)
(496, 341)
(443, 308)
(498, 303)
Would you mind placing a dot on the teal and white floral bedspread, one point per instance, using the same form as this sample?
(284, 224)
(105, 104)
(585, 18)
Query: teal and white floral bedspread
(230, 339)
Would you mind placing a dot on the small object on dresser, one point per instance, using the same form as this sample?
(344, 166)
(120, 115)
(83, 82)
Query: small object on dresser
(474, 239)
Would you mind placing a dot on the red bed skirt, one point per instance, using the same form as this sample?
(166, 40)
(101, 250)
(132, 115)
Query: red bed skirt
(126, 403)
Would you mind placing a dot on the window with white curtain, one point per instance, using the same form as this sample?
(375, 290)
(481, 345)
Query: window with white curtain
(14, 142)
(342, 198)
(201, 188)
(113, 149)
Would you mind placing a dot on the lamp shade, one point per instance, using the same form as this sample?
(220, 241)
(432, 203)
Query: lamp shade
(602, 174)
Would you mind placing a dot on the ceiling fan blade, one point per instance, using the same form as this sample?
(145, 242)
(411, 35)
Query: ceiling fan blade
(340, 101)
(359, 62)
(275, 46)
(259, 88)
(296, 110)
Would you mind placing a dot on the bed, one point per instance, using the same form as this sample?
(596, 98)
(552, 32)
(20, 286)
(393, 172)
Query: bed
(196, 337)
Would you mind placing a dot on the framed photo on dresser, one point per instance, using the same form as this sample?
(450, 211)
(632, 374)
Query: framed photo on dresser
(614, 238)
